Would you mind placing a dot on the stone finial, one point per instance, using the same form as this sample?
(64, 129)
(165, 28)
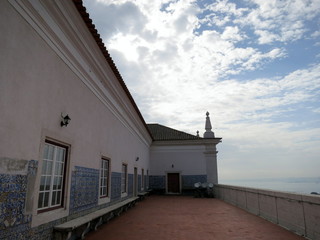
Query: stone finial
(208, 133)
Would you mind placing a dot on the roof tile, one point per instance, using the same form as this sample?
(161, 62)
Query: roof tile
(91, 27)
(163, 133)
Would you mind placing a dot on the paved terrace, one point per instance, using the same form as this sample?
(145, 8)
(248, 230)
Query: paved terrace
(184, 218)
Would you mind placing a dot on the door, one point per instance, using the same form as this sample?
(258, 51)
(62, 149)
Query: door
(135, 182)
(173, 182)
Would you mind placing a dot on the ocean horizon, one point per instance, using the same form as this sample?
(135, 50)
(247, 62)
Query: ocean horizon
(302, 185)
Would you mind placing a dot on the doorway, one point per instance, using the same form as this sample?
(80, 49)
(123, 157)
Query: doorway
(173, 183)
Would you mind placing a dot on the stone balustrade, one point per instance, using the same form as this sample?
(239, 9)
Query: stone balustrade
(296, 212)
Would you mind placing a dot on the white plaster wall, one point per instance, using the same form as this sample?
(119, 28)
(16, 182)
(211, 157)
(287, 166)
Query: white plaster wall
(36, 86)
(189, 160)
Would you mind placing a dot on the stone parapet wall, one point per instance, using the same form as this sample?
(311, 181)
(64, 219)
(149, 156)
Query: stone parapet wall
(295, 212)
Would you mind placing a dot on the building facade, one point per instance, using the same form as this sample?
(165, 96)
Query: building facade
(72, 138)
(179, 160)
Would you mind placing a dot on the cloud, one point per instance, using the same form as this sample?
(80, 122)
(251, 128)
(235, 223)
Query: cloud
(108, 21)
(232, 33)
(269, 149)
(226, 7)
(181, 68)
(211, 52)
(315, 34)
(281, 21)
(271, 21)
(266, 37)
(181, 59)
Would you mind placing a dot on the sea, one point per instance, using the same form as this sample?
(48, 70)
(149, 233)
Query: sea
(304, 185)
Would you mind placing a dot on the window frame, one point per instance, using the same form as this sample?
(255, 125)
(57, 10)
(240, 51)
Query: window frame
(64, 176)
(107, 178)
(124, 178)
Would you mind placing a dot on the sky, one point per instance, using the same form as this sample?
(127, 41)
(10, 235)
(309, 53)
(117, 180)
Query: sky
(254, 65)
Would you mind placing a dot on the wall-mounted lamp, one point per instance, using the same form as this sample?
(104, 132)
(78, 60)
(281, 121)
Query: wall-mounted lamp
(137, 159)
(64, 120)
(172, 166)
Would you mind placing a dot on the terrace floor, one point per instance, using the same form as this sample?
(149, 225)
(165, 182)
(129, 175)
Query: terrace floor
(184, 218)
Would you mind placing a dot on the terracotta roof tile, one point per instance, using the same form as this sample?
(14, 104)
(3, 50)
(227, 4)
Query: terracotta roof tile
(91, 27)
(163, 133)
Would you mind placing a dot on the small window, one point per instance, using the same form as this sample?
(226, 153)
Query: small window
(104, 178)
(142, 178)
(52, 176)
(124, 178)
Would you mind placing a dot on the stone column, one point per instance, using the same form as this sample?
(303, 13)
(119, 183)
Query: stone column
(210, 155)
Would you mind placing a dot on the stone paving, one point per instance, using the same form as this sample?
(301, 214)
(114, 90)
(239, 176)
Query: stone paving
(188, 218)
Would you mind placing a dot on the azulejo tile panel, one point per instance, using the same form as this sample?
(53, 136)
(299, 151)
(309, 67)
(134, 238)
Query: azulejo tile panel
(157, 182)
(130, 185)
(188, 181)
(84, 189)
(14, 223)
(115, 186)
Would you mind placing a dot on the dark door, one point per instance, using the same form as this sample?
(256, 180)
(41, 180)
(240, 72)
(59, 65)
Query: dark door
(173, 183)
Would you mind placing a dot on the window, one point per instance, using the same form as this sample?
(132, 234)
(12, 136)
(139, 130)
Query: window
(104, 178)
(142, 178)
(124, 179)
(52, 176)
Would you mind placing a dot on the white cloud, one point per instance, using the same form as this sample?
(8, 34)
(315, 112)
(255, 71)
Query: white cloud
(178, 66)
(275, 20)
(232, 34)
(268, 149)
(266, 37)
(315, 34)
(226, 7)
(175, 71)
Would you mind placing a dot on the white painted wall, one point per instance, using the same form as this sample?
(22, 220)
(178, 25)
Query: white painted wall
(187, 159)
(51, 66)
(37, 86)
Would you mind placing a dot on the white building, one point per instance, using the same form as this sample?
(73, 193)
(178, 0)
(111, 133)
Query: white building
(54, 65)
(179, 160)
